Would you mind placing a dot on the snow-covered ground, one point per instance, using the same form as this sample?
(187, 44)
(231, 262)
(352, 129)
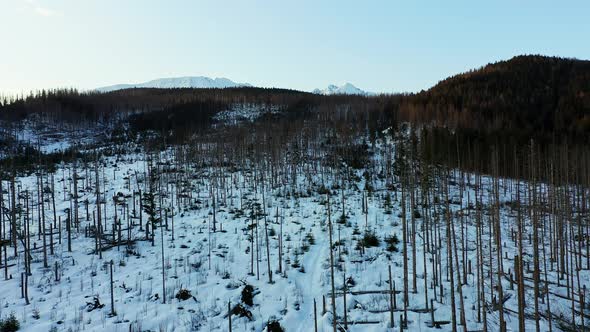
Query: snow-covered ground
(51, 137)
(215, 266)
(239, 113)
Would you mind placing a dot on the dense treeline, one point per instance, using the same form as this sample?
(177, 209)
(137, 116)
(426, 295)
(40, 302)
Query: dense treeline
(470, 150)
(181, 118)
(72, 105)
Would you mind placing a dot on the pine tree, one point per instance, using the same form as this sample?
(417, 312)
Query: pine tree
(149, 204)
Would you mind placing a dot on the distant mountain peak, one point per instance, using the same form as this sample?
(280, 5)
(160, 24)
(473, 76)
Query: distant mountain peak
(345, 89)
(179, 82)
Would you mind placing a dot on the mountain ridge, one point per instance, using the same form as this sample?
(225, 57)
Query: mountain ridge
(345, 89)
(178, 82)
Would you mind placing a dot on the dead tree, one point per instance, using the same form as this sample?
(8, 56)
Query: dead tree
(331, 266)
(98, 230)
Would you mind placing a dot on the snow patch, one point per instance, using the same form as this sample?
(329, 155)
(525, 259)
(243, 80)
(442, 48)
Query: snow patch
(239, 113)
(346, 89)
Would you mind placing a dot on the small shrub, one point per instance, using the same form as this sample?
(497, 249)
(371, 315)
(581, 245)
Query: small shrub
(392, 242)
(197, 321)
(184, 294)
(248, 295)
(417, 214)
(240, 311)
(387, 203)
(10, 324)
(274, 326)
(232, 285)
(370, 240)
(36, 314)
(323, 190)
(350, 282)
(310, 238)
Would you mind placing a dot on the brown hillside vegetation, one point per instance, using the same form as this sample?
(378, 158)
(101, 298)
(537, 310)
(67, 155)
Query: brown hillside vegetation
(531, 96)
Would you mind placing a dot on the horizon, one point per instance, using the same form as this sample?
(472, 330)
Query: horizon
(248, 85)
(379, 47)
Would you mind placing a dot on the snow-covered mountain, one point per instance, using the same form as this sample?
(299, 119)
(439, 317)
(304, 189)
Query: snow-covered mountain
(178, 82)
(346, 89)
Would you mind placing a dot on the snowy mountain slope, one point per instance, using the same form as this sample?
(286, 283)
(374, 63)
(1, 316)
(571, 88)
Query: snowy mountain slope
(346, 89)
(179, 82)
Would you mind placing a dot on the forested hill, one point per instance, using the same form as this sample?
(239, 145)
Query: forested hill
(533, 95)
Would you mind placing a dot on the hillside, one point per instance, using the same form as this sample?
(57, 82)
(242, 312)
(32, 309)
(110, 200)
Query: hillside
(532, 94)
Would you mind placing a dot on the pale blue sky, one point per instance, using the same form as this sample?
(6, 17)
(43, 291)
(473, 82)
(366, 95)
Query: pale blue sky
(382, 46)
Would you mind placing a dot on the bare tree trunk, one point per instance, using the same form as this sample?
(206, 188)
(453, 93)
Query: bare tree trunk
(13, 213)
(344, 297)
(459, 285)
(518, 264)
(413, 220)
(2, 226)
(76, 220)
(405, 249)
(266, 235)
(391, 296)
(450, 257)
(331, 267)
(98, 216)
(42, 210)
(163, 267)
(535, 244)
(280, 242)
(113, 313)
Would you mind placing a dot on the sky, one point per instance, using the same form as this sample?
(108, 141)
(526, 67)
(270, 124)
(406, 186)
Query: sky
(379, 46)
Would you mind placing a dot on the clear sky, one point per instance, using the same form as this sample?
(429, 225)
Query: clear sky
(381, 46)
